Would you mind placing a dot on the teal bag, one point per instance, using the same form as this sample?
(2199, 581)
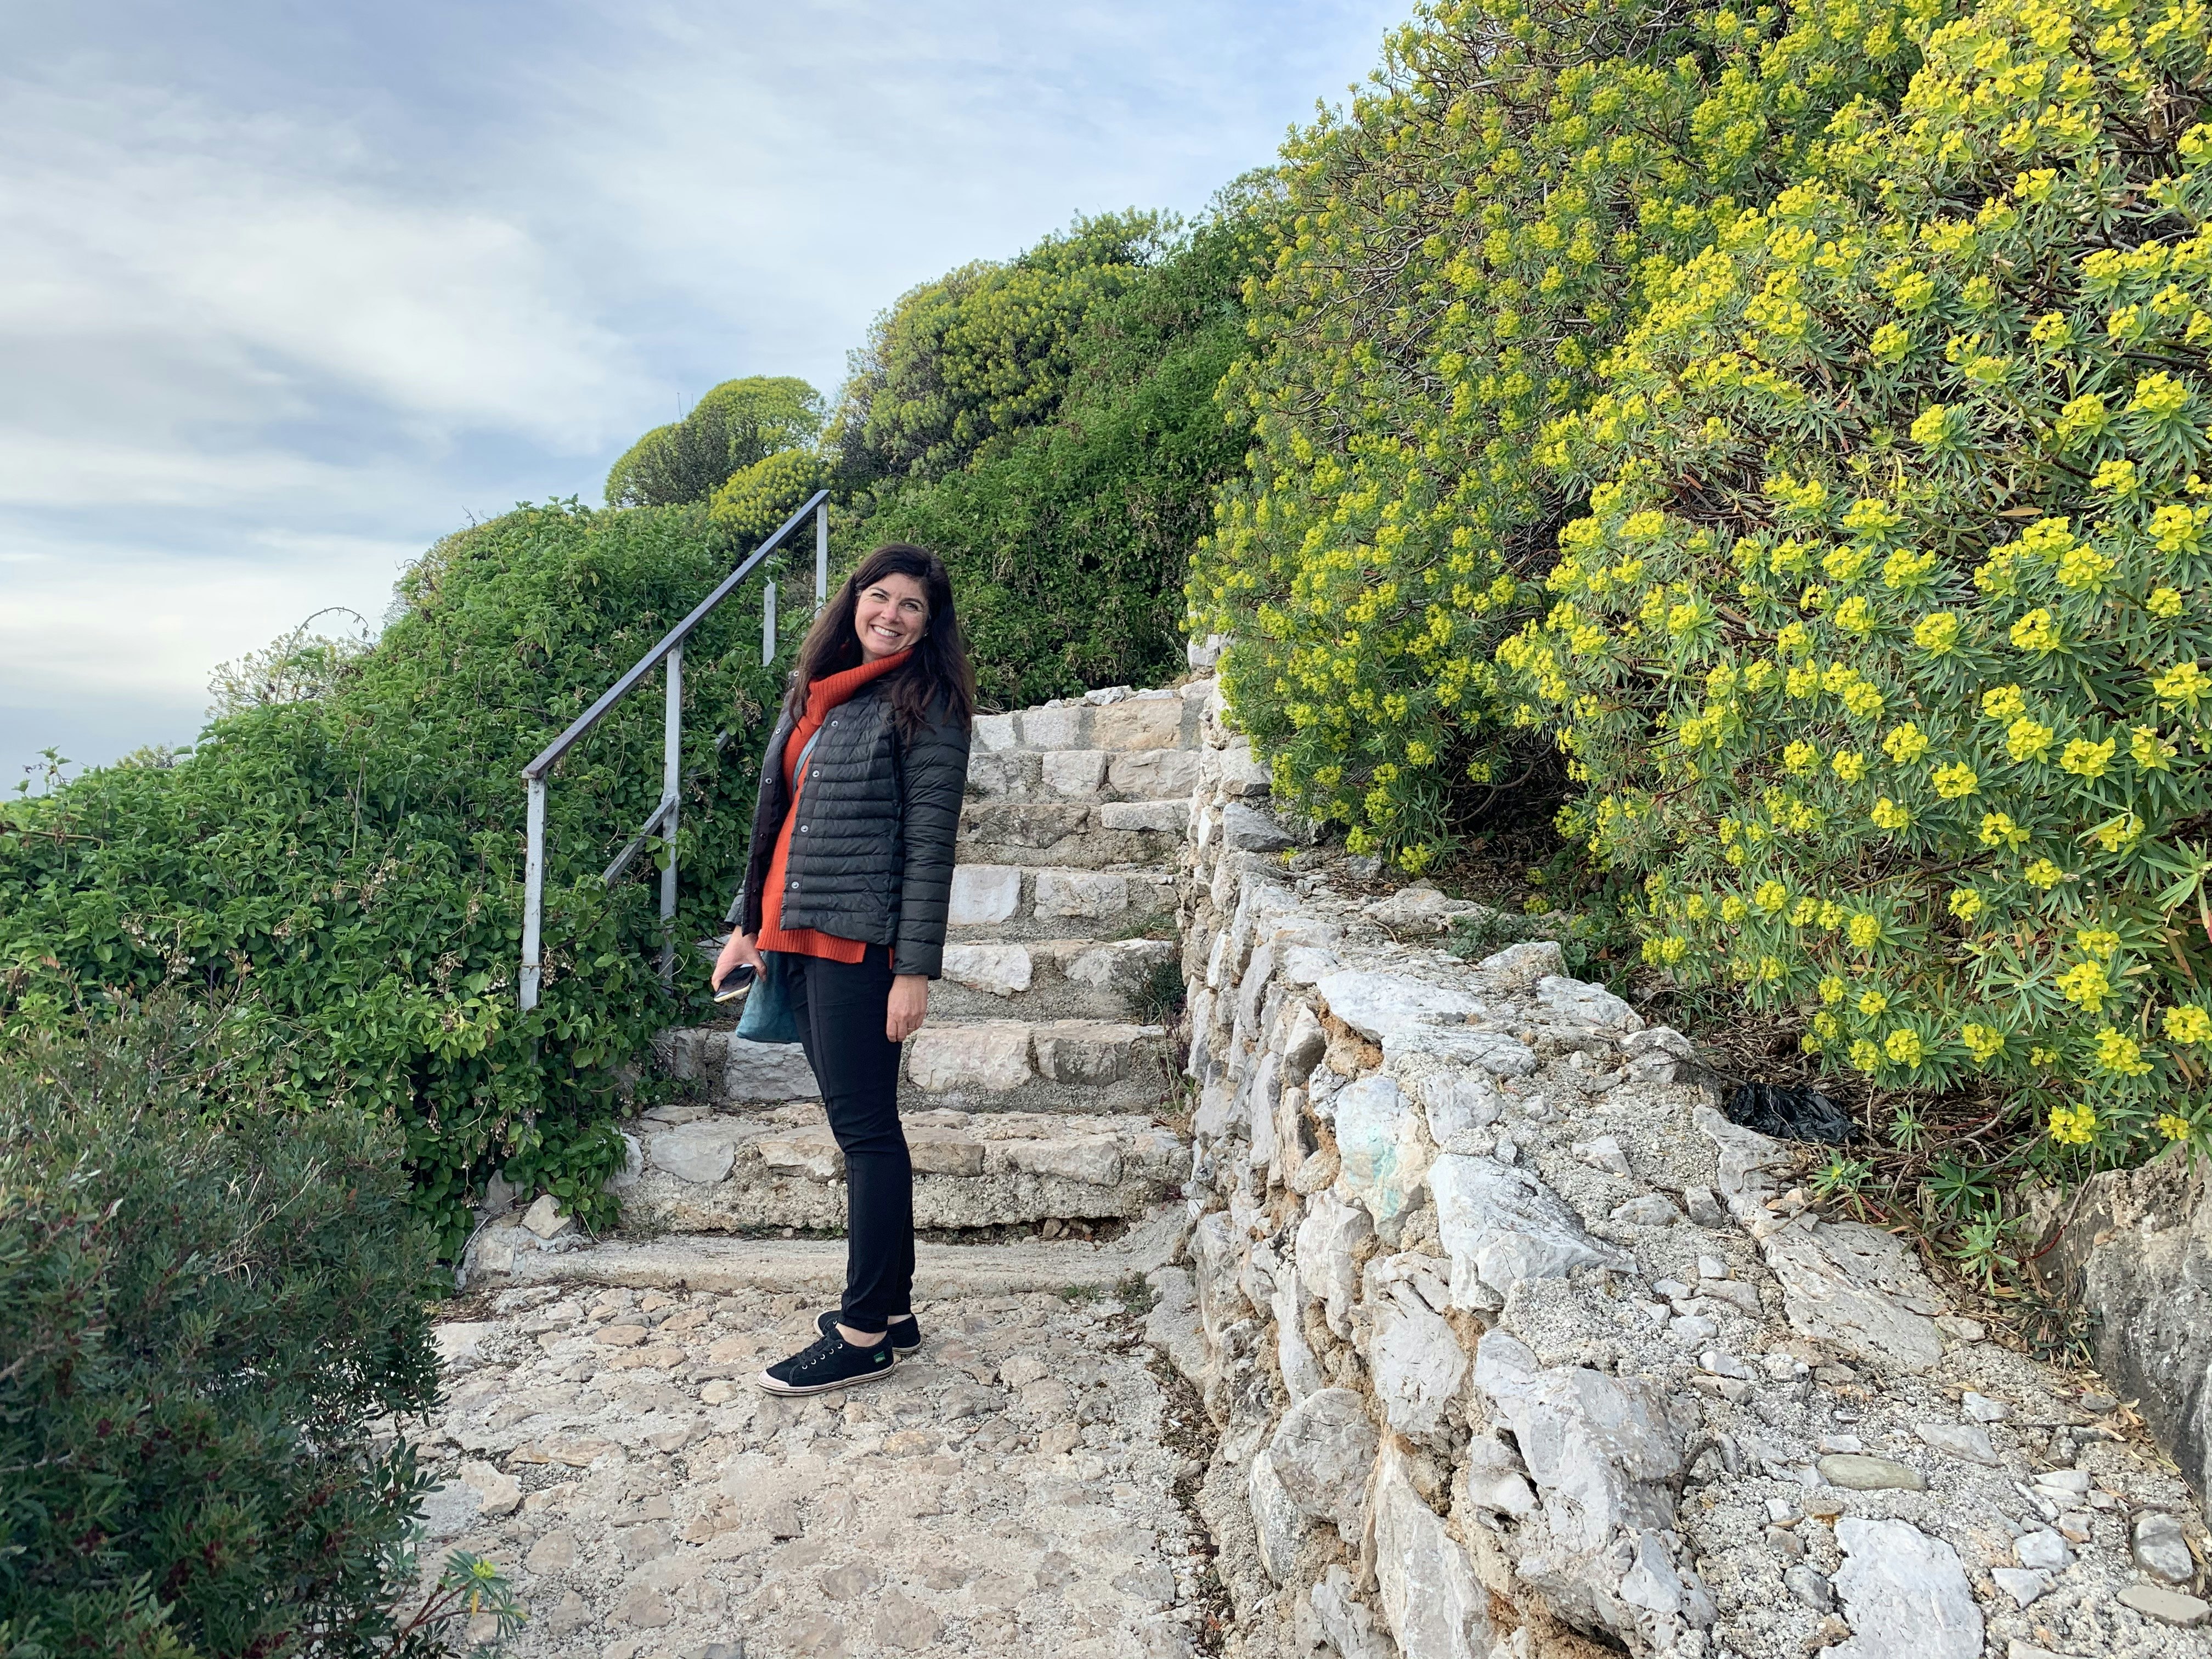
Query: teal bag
(768, 1016)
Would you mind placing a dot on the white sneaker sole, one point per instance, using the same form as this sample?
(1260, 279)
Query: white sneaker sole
(768, 1384)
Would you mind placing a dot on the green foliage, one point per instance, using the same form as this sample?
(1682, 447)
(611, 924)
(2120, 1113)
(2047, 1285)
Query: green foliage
(983, 350)
(342, 874)
(756, 499)
(1879, 652)
(204, 1304)
(1455, 256)
(734, 426)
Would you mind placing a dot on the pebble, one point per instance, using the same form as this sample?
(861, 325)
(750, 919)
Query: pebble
(2160, 1550)
(2023, 1584)
(1968, 1441)
(2171, 1606)
(1855, 1472)
(1983, 1409)
(2045, 1549)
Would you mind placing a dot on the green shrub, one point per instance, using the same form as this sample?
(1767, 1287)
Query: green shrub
(344, 872)
(980, 352)
(1067, 541)
(1454, 258)
(754, 500)
(203, 1309)
(734, 426)
(1879, 653)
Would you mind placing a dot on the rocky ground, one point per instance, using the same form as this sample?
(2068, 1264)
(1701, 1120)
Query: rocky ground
(1011, 1489)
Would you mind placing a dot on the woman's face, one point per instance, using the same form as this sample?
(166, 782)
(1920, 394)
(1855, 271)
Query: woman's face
(890, 615)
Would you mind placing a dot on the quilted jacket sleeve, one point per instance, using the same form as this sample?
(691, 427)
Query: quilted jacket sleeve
(933, 778)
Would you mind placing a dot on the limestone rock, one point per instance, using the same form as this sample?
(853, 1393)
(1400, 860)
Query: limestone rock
(497, 1492)
(1090, 894)
(2133, 1249)
(1501, 1227)
(1967, 1441)
(999, 970)
(1085, 1051)
(545, 1218)
(1418, 1364)
(1322, 1452)
(1346, 1622)
(990, 1055)
(1163, 817)
(1252, 829)
(1520, 966)
(1381, 1159)
(700, 1152)
(768, 1072)
(1121, 965)
(1434, 1604)
(1575, 1002)
(1855, 1472)
(811, 1152)
(2166, 1606)
(1074, 771)
(1418, 909)
(1460, 1101)
(2161, 1550)
(1327, 1238)
(1172, 1325)
(983, 893)
(1280, 1523)
(1905, 1594)
(1381, 1006)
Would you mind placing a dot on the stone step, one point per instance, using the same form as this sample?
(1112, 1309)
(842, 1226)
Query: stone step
(1071, 834)
(942, 1271)
(1114, 718)
(700, 1170)
(1078, 1067)
(993, 902)
(1072, 774)
(1048, 979)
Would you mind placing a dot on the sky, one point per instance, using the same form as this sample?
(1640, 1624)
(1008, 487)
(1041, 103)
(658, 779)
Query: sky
(290, 290)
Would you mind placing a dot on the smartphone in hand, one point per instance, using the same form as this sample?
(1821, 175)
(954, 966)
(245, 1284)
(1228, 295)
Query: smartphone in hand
(738, 981)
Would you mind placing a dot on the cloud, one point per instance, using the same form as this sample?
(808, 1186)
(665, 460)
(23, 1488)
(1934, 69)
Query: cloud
(285, 293)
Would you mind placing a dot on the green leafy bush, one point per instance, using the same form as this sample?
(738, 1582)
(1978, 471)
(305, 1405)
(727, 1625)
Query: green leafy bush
(1879, 651)
(733, 426)
(982, 351)
(342, 873)
(1454, 258)
(756, 499)
(1067, 540)
(203, 1306)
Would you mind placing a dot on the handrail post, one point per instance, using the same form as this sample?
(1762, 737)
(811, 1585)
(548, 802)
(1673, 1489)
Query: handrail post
(533, 893)
(671, 783)
(821, 555)
(768, 622)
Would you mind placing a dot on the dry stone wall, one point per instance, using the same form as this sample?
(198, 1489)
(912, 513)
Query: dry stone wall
(1516, 1347)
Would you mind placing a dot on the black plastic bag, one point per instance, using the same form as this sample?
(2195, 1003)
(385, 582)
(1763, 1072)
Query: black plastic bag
(1791, 1114)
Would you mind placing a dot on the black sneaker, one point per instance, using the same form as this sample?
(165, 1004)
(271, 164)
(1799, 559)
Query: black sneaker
(831, 1362)
(903, 1334)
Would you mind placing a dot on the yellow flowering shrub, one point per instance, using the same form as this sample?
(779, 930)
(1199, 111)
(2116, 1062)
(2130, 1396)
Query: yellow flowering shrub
(1922, 444)
(1454, 257)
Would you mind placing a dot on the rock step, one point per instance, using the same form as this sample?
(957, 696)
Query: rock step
(1014, 902)
(817, 1266)
(1069, 1065)
(1140, 775)
(1047, 979)
(1072, 834)
(1113, 718)
(699, 1170)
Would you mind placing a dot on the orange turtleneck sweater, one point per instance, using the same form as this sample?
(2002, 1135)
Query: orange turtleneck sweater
(822, 696)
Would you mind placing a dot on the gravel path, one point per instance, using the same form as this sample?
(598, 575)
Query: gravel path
(1010, 1489)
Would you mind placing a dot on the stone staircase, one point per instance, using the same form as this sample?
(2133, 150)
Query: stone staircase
(1043, 1090)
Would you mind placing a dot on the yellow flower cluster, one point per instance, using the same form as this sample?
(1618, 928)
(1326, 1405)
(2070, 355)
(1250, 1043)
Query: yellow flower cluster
(2043, 696)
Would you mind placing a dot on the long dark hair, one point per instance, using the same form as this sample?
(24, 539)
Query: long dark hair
(938, 673)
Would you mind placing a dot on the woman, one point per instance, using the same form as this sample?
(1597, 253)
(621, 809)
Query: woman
(849, 879)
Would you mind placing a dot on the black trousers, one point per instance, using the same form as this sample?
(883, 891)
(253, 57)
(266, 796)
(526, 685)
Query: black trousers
(841, 1008)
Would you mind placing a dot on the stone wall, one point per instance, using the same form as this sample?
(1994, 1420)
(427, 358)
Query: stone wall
(2132, 1248)
(1515, 1346)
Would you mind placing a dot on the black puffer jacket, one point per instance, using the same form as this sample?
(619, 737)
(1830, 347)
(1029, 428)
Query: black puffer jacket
(872, 854)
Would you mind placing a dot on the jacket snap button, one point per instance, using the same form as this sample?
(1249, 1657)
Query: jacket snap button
(802, 829)
(816, 773)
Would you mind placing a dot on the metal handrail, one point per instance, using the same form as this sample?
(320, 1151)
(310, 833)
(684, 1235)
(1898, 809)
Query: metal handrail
(661, 821)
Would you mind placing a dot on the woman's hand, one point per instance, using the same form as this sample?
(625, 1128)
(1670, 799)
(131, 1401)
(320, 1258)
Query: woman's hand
(909, 1006)
(738, 951)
